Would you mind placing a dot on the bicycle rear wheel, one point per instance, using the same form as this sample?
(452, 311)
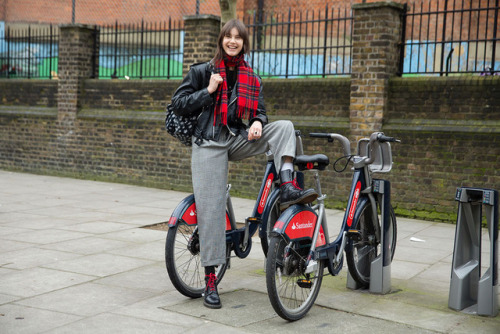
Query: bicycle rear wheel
(291, 292)
(361, 253)
(183, 261)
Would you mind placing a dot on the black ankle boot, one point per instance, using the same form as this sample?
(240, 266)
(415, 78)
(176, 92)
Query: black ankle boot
(291, 193)
(211, 295)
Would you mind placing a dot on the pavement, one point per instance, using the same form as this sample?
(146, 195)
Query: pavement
(75, 257)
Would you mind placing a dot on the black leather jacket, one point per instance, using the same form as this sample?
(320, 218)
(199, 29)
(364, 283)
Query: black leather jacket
(192, 98)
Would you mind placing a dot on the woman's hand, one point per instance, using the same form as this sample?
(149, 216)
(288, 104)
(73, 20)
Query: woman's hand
(215, 81)
(255, 131)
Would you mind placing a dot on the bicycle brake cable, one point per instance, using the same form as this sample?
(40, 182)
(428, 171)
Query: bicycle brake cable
(348, 157)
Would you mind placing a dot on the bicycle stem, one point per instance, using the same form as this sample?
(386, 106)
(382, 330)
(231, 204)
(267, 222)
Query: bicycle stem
(321, 221)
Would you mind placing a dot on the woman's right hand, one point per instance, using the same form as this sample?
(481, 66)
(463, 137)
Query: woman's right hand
(215, 81)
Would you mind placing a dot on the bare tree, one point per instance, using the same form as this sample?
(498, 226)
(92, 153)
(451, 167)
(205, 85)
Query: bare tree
(227, 10)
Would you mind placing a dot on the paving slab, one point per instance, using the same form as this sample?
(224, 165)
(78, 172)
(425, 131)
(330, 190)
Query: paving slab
(86, 300)
(20, 319)
(78, 259)
(37, 281)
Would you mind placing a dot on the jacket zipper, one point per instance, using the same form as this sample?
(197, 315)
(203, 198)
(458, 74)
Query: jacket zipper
(227, 126)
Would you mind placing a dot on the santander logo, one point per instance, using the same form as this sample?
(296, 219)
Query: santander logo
(298, 226)
(192, 213)
(265, 193)
(352, 209)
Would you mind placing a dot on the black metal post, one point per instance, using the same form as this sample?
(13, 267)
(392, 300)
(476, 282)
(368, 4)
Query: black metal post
(73, 12)
(288, 41)
(260, 17)
(95, 54)
(443, 37)
(493, 55)
(325, 41)
(29, 52)
(142, 48)
(168, 46)
(8, 52)
(116, 49)
(50, 52)
(403, 40)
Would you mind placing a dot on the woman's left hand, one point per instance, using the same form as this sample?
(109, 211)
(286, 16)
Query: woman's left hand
(255, 131)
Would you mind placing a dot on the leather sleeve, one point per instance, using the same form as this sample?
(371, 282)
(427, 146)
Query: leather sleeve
(261, 110)
(192, 95)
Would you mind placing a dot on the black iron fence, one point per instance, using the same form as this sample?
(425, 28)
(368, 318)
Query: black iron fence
(29, 53)
(441, 37)
(310, 44)
(451, 36)
(145, 50)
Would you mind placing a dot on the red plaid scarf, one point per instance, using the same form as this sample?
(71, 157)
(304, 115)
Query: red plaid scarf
(248, 90)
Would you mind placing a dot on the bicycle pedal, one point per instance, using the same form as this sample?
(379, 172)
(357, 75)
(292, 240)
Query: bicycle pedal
(354, 235)
(304, 283)
(254, 220)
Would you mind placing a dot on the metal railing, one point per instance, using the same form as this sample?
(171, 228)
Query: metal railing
(29, 53)
(451, 36)
(441, 37)
(310, 44)
(146, 50)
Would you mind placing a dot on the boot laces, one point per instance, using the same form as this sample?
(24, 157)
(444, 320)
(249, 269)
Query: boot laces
(294, 183)
(212, 278)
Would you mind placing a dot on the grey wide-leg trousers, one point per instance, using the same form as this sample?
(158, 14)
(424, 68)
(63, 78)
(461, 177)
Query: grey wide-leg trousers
(209, 165)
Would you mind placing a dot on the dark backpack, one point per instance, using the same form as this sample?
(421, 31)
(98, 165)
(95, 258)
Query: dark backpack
(180, 127)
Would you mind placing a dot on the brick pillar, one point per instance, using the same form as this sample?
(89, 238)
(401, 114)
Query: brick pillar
(76, 63)
(375, 55)
(200, 39)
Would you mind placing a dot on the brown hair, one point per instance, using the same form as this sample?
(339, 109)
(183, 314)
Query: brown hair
(226, 29)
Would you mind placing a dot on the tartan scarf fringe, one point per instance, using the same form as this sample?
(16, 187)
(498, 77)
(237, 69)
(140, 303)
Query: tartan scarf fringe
(248, 88)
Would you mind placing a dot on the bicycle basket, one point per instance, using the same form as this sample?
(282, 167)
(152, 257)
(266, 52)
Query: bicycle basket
(382, 162)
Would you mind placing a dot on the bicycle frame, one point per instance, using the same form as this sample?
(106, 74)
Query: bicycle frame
(361, 194)
(185, 212)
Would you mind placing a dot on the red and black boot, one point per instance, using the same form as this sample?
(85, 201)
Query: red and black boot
(211, 295)
(291, 193)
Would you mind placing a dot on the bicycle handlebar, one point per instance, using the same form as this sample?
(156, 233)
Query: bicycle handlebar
(383, 138)
(376, 136)
(331, 136)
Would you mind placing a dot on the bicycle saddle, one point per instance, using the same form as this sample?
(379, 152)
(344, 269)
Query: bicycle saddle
(315, 161)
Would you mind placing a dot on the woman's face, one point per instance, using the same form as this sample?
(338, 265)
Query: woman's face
(232, 43)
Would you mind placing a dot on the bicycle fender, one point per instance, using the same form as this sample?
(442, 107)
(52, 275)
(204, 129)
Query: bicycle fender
(297, 223)
(185, 212)
(267, 211)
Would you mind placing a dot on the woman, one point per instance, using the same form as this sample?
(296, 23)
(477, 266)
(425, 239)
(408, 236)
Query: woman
(232, 126)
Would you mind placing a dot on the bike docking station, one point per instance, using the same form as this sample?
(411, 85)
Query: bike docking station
(380, 268)
(469, 291)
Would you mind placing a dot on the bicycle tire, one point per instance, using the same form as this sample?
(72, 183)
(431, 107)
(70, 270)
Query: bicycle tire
(270, 220)
(284, 273)
(183, 261)
(360, 254)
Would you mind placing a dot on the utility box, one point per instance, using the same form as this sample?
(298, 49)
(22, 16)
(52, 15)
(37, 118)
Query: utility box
(470, 290)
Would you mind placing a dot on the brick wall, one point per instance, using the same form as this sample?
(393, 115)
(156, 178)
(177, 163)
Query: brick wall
(28, 92)
(448, 126)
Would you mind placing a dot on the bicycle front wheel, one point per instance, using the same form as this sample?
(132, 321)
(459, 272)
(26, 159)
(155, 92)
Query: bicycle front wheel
(291, 291)
(183, 261)
(362, 252)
